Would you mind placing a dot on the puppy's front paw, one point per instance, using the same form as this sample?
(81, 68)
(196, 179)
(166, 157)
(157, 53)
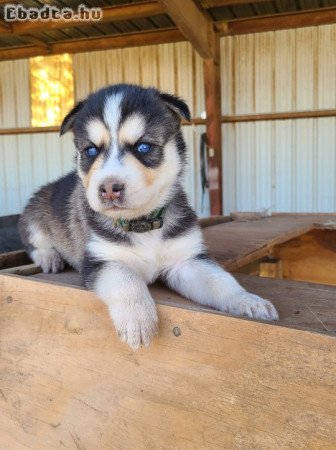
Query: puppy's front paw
(48, 259)
(246, 304)
(136, 324)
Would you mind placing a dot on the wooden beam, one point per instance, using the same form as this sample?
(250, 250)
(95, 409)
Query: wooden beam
(198, 121)
(286, 115)
(201, 34)
(5, 27)
(28, 130)
(278, 22)
(12, 259)
(217, 3)
(193, 25)
(104, 43)
(212, 88)
(110, 14)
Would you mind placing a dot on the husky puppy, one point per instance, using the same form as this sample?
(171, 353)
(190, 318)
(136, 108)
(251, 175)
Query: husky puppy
(122, 218)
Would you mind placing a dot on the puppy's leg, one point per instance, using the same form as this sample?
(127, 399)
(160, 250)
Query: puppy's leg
(42, 252)
(130, 304)
(203, 281)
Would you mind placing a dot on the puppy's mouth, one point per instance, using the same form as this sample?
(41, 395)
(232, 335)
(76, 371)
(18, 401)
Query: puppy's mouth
(113, 205)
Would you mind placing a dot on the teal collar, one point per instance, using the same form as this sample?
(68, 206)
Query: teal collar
(153, 222)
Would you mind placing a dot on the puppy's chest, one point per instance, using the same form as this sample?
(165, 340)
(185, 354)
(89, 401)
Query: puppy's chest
(149, 254)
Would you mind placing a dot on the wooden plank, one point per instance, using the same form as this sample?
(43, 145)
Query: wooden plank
(55, 129)
(214, 220)
(218, 3)
(199, 121)
(285, 21)
(309, 257)
(68, 381)
(271, 268)
(13, 259)
(109, 14)
(279, 116)
(24, 270)
(315, 303)
(301, 305)
(193, 25)
(236, 244)
(4, 26)
(104, 43)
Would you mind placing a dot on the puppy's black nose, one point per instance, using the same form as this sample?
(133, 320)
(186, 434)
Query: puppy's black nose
(116, 187)
(111, 190)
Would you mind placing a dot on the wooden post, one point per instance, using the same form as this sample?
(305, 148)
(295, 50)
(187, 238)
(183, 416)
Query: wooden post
(212, 85)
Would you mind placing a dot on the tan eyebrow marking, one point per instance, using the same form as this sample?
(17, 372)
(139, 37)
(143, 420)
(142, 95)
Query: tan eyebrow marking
(98, 133)
(132, 129)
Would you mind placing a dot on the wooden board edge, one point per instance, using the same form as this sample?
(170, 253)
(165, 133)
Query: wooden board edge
(78, 296)
(265, 250)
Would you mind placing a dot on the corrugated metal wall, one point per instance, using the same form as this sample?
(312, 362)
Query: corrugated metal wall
(30, 160)
(170, 67)
(280, 165)
(14, 94)
(27, 162)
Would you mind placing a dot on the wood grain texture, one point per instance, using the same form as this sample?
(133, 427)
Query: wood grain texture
(12, 259)
(303, 306)
(212, 89)
(218, 3)
(279, 22)
(193, 25)
(309, 257)
(85, 45)
(208, 381)
(235, 244)
(198, 121)
(271, 268)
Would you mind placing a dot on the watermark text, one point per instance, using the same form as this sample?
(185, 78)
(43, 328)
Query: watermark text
(18, 13)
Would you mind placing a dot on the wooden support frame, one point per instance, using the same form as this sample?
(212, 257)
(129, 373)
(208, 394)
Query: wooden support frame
(212, 89)
(84, 45)
(218, 3)
(290, 115)
(193, 25)
(300, 19)
(252, 25)
(200, 32)
(286, 115)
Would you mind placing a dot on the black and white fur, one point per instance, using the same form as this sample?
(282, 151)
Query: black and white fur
(70, 221)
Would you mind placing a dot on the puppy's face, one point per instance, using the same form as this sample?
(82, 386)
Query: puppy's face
(129, 148)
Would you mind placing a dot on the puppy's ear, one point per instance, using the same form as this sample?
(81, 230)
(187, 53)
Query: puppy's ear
(177, 105)
(69, 119)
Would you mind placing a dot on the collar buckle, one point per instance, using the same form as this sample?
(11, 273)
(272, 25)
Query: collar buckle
(141, 226)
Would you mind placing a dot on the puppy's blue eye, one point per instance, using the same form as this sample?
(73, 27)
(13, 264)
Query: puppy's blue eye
(92, 152)
(143, 147)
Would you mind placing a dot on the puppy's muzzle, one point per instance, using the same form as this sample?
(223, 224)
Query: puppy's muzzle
(111, 189)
